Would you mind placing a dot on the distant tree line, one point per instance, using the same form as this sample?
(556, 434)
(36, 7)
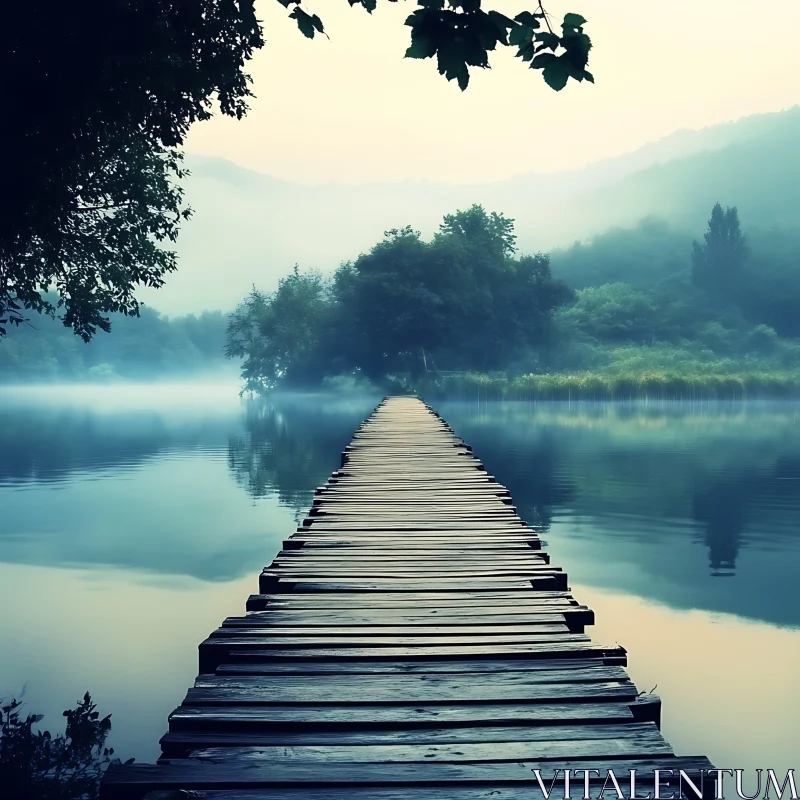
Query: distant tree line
(465, 301)
(150, 346)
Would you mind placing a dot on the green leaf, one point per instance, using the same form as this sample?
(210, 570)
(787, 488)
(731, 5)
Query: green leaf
(587, 76)
(307, 24)
(548, 40)
(573, 21)
(526, 18)
(453, 63)
(501, 20)
(525, 51)
(421, 47)
(542, 60)
(520, 34)
(556, 75)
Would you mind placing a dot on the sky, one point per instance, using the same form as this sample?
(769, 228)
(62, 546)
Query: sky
(351, 109)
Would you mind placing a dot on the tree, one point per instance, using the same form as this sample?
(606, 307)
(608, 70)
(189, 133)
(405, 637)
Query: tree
(280, 335)
(399, 298)
(100, 96)
(718, 263)
(458, 301)
(492, 233)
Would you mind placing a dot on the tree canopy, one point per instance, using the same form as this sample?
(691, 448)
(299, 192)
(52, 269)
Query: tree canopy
(101, 94)
(718, 263)
(466, 302)
(459, 301)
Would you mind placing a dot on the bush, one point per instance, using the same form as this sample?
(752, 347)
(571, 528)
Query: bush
(35, 765)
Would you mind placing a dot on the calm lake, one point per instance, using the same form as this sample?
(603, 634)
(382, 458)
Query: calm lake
(134, 519)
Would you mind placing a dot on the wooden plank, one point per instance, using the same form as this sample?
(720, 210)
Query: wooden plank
(261, 637)
(475, 666)
(276, 621)
(555, 581)
(411, 689)
(441, 599)
(490, 791)
(262, 773)
(177, 741)
(218, 651)
(573, 616)
(630, 746)
(430, 558)
(365, 716)
(293, 572)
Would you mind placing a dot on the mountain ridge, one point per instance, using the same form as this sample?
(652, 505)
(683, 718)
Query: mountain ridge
(252, 228)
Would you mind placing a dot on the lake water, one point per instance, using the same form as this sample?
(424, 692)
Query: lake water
(134, 519)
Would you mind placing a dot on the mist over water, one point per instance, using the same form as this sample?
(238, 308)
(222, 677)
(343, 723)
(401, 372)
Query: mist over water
(136, 517)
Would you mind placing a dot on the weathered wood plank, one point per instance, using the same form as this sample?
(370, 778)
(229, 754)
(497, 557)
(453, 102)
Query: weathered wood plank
(366, 716)
(186, 773)
(416, 689)
(491, 791)
(274, 621)
(475, 666)
(630, 746)
(555, 581)
(214, 652)
(182, 741)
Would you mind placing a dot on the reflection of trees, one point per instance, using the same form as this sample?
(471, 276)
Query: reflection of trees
(539, 486)
(47, 444)
(291, 445)
(532, 472)
(726, 506)
(640, 472)
(721, 507)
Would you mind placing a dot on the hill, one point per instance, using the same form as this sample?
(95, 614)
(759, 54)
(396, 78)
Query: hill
(251, 228)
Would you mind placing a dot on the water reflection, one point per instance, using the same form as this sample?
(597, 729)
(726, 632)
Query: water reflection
(167, 485)
(291, 445)
(657, 498)
(146, 514)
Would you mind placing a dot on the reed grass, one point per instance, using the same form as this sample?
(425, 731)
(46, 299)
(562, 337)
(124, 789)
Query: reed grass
(654, 384)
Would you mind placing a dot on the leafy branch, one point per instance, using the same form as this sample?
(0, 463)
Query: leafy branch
(460, 34)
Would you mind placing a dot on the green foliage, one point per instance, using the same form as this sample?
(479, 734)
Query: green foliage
(279, 335)
(492, 233)
(406, 306)
(151, 346)
(769, 290)
(659, 384)
(460, 33)
(35, 765)
(649, 252)
(462, 304)
(102, 95)
(718, 263)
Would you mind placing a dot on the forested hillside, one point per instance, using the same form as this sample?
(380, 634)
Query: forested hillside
(652, 308)
(257, 227)
(143, 348)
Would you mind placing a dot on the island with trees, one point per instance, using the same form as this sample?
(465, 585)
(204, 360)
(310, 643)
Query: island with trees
(465, 314)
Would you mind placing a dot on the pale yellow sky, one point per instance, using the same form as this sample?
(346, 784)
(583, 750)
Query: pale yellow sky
(352, 109)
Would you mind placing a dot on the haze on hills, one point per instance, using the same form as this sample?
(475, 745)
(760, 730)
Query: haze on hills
(252, 228)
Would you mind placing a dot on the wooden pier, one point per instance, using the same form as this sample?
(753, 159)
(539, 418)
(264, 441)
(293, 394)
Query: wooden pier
(412, 641)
